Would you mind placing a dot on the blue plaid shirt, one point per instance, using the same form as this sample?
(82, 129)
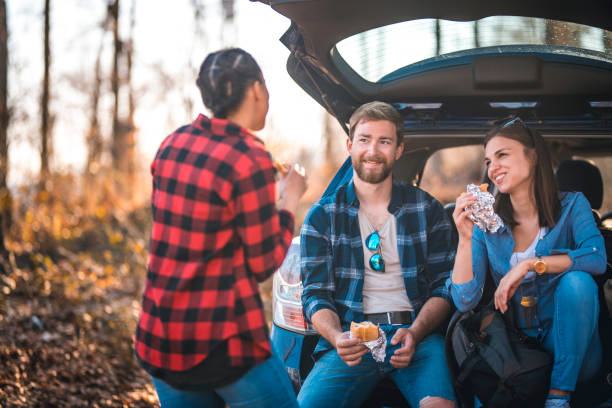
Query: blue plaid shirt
(332, 258)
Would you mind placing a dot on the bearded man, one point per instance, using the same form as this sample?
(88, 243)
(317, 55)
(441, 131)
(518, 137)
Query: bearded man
(377, 250)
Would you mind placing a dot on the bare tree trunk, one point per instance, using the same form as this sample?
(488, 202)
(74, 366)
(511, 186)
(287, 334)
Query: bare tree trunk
(329, 138)
(228, 29)
(45, 150)
(130, 136)
(228, 10)
(94, 136)
(117, 146)
(5, 197)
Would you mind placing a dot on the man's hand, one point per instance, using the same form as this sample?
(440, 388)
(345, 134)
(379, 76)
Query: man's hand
(403, 355)
(350, 350)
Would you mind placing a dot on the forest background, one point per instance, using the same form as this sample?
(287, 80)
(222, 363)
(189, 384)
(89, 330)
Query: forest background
(88, 89)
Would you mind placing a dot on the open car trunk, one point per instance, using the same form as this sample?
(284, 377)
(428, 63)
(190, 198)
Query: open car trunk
(562, 91)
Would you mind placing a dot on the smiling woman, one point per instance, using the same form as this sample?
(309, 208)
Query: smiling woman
(542, 261)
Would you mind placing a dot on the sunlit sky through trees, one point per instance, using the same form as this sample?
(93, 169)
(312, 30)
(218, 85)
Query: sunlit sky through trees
(169, 45)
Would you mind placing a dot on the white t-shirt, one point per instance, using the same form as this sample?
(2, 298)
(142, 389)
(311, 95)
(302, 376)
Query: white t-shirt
(528, 253)
(383, 291)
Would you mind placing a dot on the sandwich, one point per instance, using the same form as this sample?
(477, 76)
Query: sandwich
(365, 331)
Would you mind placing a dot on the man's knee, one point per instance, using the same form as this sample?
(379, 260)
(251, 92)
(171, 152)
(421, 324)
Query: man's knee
(436, 402)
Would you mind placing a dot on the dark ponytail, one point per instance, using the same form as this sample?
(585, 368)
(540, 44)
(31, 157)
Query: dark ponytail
(224, 77)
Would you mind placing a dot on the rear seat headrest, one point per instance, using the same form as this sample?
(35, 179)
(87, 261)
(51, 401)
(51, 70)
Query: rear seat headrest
(580, 175)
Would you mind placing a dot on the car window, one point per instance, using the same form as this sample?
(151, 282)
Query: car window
(604, 164)
(448, 172)
(378, 52)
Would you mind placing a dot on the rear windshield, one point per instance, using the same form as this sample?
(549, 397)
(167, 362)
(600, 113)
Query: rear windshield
(376, 53)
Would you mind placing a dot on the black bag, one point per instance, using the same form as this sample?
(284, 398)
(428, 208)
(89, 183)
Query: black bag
(496, 362)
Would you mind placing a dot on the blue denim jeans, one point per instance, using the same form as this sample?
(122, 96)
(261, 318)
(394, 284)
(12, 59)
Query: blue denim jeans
(332, 383)
(573, 339)
(265, 385)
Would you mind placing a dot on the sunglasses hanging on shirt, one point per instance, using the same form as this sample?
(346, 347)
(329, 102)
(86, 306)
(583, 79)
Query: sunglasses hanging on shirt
(377, 262)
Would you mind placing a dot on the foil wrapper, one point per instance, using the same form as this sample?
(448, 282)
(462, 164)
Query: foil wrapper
(483, 214)
(377, 347)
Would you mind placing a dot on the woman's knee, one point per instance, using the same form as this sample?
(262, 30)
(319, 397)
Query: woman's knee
(577, 291)
(577, 283)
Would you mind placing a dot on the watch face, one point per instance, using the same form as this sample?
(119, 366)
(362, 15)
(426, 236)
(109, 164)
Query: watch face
(539, 267)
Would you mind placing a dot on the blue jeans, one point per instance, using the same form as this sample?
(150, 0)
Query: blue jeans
(265, 385)
(332, 383)
(573, 339)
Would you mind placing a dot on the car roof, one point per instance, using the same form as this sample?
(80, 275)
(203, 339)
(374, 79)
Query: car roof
(562, 92)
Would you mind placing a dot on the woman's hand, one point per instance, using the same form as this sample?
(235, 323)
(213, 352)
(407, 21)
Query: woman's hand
(292, 186)
(509, 284)
(460, 216)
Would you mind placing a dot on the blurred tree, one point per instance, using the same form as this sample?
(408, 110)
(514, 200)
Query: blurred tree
(5, 198)
(561, 33)
(199, 8)
(45, 150)
(193, 67)
(117, 143)
(228, 10)
(122, 142)
(130, 135)
(94, 135)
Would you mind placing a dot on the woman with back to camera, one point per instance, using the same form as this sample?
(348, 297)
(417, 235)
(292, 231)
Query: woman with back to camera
(544, 256)
(217, 232)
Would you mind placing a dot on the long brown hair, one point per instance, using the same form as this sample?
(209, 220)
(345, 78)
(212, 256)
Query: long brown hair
(544, 185)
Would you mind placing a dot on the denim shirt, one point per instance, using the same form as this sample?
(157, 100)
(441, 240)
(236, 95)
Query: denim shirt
(332, 260)
(575, 234)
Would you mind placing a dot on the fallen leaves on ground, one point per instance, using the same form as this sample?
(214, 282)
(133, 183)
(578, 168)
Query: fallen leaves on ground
(70, 301)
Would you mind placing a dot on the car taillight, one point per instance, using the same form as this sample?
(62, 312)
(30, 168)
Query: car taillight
(287, 290)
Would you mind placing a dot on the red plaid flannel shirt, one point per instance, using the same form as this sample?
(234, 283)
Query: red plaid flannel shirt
(216, 234)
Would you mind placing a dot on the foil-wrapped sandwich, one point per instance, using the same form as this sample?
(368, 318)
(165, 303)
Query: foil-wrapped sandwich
(372, 337)
(483, 214)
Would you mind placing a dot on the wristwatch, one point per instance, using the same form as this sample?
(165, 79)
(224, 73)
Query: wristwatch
(539, 266)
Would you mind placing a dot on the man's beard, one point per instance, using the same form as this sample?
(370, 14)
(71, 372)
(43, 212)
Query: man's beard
(372, 176)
